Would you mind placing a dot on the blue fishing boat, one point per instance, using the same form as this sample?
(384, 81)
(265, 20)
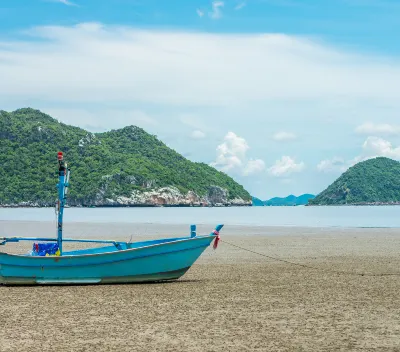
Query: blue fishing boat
(113, 262)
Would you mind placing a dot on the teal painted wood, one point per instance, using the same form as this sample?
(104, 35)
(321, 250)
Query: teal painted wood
(139, 262)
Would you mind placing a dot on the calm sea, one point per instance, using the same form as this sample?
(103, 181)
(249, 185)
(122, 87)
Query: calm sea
(369, 216)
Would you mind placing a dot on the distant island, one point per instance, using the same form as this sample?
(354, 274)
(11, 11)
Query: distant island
(371, 182)
(287, 201)
(123, 167)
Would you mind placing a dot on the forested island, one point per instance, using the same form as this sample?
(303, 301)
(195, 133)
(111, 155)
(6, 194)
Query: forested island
(123, 167)
(371, 182)
(290, 200)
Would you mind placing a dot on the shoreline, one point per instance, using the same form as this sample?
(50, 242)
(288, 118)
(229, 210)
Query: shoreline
(132, 206)
(122, 223)
(253, 228)
(247, 228)
(107, 228)
(227, 205)
(377, 204)
(314, 217)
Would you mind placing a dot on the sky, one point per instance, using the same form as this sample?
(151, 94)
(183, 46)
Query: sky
(282, 95)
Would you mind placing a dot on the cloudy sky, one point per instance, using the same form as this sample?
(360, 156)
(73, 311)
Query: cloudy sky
(283, 95)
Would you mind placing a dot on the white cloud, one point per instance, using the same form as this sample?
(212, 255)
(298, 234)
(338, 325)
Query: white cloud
(336, 164)
(375, 146)
(254, 166)
(197, 134)
(200, 13)
(66, 2)
(216, 12)
(372, 147)
(285, 166)
(382, 129)
(240, 5)
(284, 136)
(91, 62)
(231, 153)
(231, 156)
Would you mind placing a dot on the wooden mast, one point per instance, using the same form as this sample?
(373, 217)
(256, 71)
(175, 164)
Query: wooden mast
(63, 178)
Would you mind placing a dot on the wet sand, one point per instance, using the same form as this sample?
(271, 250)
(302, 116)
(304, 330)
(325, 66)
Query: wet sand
(230, 300)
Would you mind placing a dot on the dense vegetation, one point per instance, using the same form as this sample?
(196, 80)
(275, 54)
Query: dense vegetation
(286, 201)
(125, 159)
(368, 182)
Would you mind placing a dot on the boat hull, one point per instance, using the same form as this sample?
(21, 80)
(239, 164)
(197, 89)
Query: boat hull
(158, 262)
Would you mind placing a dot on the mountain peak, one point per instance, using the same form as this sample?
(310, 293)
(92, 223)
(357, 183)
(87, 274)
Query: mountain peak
(33, 115)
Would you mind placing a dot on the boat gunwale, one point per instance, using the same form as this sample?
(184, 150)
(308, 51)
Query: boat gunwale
(104, 262)
(59, 258)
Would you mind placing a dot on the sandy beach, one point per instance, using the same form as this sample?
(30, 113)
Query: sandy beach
(230, 300)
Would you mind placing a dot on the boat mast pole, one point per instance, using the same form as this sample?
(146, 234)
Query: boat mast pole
(63, 176)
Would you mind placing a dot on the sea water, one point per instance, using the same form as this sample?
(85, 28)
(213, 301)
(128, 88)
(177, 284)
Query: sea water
(319, 216)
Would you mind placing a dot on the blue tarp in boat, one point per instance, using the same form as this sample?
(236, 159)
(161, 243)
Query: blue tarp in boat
(41, 249)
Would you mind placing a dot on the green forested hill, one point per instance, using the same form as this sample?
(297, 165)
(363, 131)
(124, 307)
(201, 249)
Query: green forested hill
(103, 165)
(372, 181)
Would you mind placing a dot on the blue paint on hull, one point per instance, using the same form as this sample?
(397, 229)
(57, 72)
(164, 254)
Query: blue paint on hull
(155, 261)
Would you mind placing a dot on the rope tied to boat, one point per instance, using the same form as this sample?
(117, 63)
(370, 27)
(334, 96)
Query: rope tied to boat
(340, 272)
